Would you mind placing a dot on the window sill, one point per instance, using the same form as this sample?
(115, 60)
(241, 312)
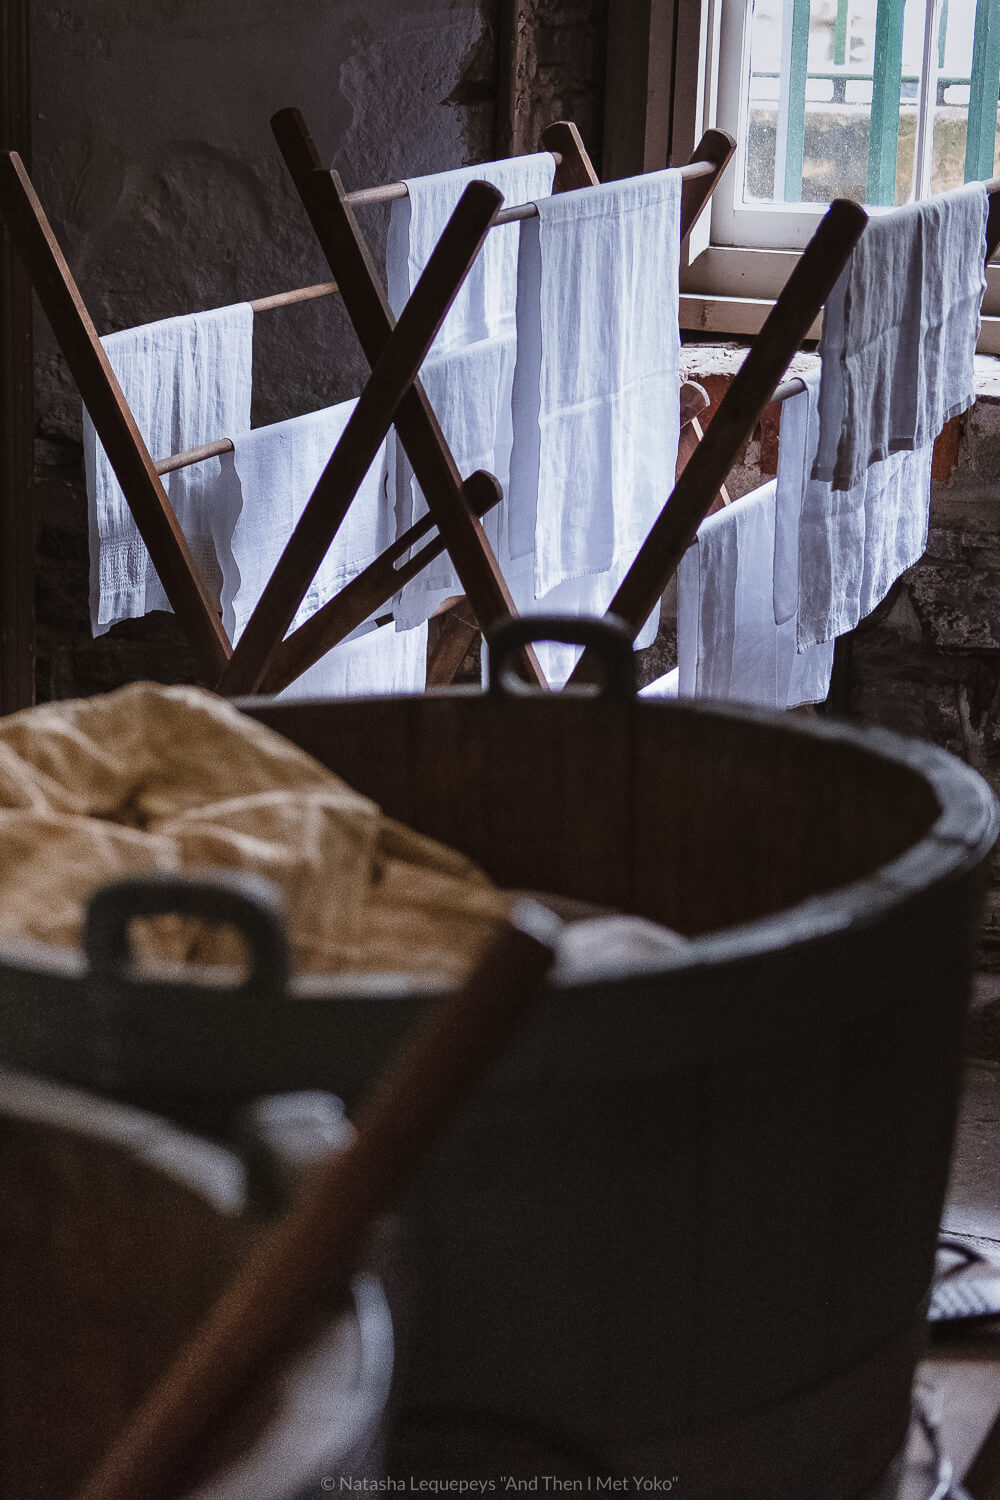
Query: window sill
(730, 290)
(741, 317)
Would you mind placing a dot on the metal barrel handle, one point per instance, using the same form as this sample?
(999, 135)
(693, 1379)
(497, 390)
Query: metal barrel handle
(605, 635)
(243, 901)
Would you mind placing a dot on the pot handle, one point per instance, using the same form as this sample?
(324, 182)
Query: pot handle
(244, 901)
(605, 635)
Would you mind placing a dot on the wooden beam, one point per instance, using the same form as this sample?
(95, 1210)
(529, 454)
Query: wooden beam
(717, 147)
(17, 522)
(638, 84)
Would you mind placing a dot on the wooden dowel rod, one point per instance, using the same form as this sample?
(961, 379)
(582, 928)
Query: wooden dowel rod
(530, 210)
(313, 1248)
(297, 294)
(793, 387)
(385, 193)
(399, 190)
(192, 456)
(688, 173)
(224, 445)
(391, 190)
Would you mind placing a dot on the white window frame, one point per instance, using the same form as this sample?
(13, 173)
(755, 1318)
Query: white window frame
(728, 288)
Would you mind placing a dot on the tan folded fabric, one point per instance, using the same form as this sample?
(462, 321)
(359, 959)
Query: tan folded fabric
(154, 778)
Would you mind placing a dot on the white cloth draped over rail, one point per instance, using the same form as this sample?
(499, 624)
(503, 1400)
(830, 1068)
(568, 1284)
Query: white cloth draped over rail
(849, 511)
(469, 373)
(585, 411)
(595, 399)
(728, 643)
(897, 362)
(187, 381)
(838, 552)
(267, 481)
(899, 333)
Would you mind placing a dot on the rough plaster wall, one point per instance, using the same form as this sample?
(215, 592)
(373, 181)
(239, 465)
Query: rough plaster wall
(153, 157)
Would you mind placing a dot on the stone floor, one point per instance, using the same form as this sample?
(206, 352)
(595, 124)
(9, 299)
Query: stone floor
(959, 1380)
(983, 1039)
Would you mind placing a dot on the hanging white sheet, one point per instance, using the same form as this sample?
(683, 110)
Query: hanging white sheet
(272, 473)
(728, 644)
(899, 333)
(838, 552)
(187, 381)
(469, 373)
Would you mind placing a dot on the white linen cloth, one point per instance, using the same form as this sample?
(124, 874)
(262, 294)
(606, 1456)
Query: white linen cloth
(576, 596)
(595, 401)
(469, 391)
(484, 307)
(899, 333)
(272, 472)
(663, 687)
(728, 644)
(838, 552)
(380, 662)
(469, 373)
(187, 381)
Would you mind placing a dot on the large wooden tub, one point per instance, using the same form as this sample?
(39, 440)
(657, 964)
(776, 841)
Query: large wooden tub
(688, 1226)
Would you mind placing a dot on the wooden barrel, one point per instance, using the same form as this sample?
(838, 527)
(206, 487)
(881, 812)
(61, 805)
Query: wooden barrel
(691, 1228)
(688, 1226)
(117, 1232)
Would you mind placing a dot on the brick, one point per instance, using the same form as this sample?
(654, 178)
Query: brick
(946, 450)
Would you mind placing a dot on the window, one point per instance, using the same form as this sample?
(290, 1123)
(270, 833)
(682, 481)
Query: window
(875, 100)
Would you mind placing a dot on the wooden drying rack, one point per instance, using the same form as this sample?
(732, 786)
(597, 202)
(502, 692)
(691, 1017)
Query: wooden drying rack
(265, 659)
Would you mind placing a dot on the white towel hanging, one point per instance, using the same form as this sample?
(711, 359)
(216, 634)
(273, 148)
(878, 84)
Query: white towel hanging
(187, 381)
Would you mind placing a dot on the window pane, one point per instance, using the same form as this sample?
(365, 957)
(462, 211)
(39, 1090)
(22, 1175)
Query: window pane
(834, 95)
(967, 55)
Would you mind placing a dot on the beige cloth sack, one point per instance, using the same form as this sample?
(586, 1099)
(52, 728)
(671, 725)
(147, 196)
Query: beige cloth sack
(155, 778)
